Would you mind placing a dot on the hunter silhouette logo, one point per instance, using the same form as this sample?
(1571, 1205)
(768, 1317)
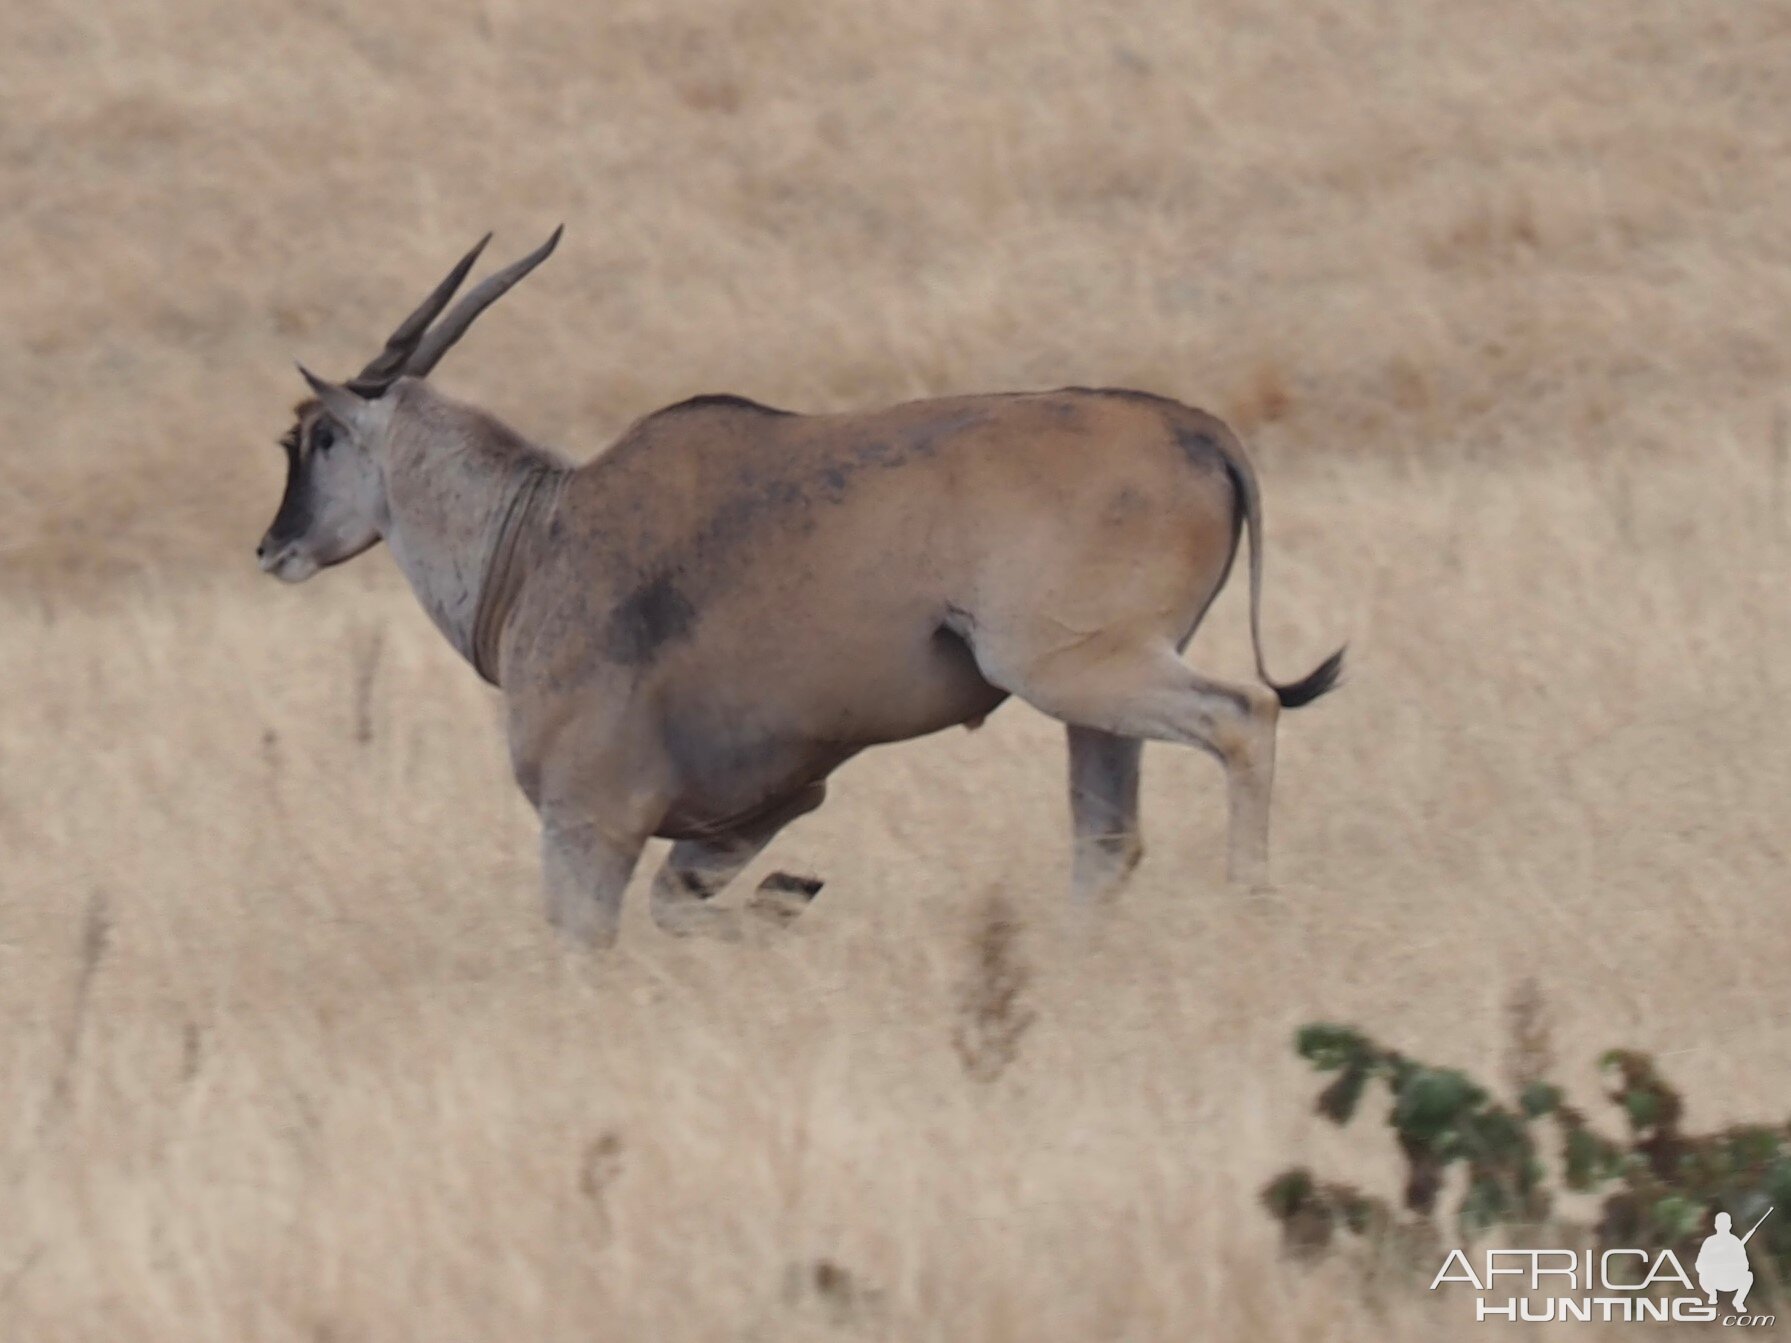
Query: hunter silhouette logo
(1722, 1261)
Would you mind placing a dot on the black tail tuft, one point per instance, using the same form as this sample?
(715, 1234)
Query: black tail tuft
(1321, 680)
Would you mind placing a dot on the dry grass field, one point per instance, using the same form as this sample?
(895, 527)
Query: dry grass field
(1500, 294)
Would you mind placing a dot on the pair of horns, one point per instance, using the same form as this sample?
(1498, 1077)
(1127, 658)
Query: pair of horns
(415, 348)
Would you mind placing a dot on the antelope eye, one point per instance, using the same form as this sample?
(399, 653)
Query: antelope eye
(323, 434)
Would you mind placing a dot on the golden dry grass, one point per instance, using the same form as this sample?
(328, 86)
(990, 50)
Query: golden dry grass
(1499, 293)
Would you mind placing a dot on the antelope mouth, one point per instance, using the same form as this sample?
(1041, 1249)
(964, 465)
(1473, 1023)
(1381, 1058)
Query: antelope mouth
(287, 563)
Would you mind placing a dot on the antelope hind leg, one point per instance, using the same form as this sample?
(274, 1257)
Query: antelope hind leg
(1149, 692)
(1103, 811)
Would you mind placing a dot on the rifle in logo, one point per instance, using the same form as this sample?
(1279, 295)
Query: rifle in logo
(1750, 1235)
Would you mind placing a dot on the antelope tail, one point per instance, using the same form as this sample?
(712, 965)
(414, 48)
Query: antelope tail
(1320, 679)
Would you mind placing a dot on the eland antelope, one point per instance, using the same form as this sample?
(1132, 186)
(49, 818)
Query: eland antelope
(694, 629)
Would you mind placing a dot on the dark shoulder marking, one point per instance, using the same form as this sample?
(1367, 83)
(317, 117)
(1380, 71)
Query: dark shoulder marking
(653, 615)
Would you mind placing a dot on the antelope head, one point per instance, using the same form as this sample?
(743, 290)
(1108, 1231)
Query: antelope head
(334, 506)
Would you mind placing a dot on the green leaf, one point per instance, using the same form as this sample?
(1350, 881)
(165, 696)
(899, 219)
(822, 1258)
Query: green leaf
(1328, 1046)
(1432, 1101)
(1676, 1217)
(1485, 1204)
(1540, 1098)
(1643, 1108)
(1777, 1181)
(1752, 1145)
(1338, 1101)
(1589, 1160)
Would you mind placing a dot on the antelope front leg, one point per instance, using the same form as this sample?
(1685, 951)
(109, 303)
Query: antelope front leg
(584, 872)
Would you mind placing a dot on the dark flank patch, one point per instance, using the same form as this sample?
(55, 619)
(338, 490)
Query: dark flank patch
(922, 441)
(723, 399)
(762, 496)
(878, 453)
(757, 495)
(653, 615)
(884, 454)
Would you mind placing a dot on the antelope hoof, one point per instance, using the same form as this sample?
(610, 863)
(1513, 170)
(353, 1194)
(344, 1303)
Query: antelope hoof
(1104, 868)
(783, 896)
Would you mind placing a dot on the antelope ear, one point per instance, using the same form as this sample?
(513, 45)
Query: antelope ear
(347, 406)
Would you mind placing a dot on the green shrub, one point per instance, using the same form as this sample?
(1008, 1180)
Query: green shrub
(1659, 1187)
